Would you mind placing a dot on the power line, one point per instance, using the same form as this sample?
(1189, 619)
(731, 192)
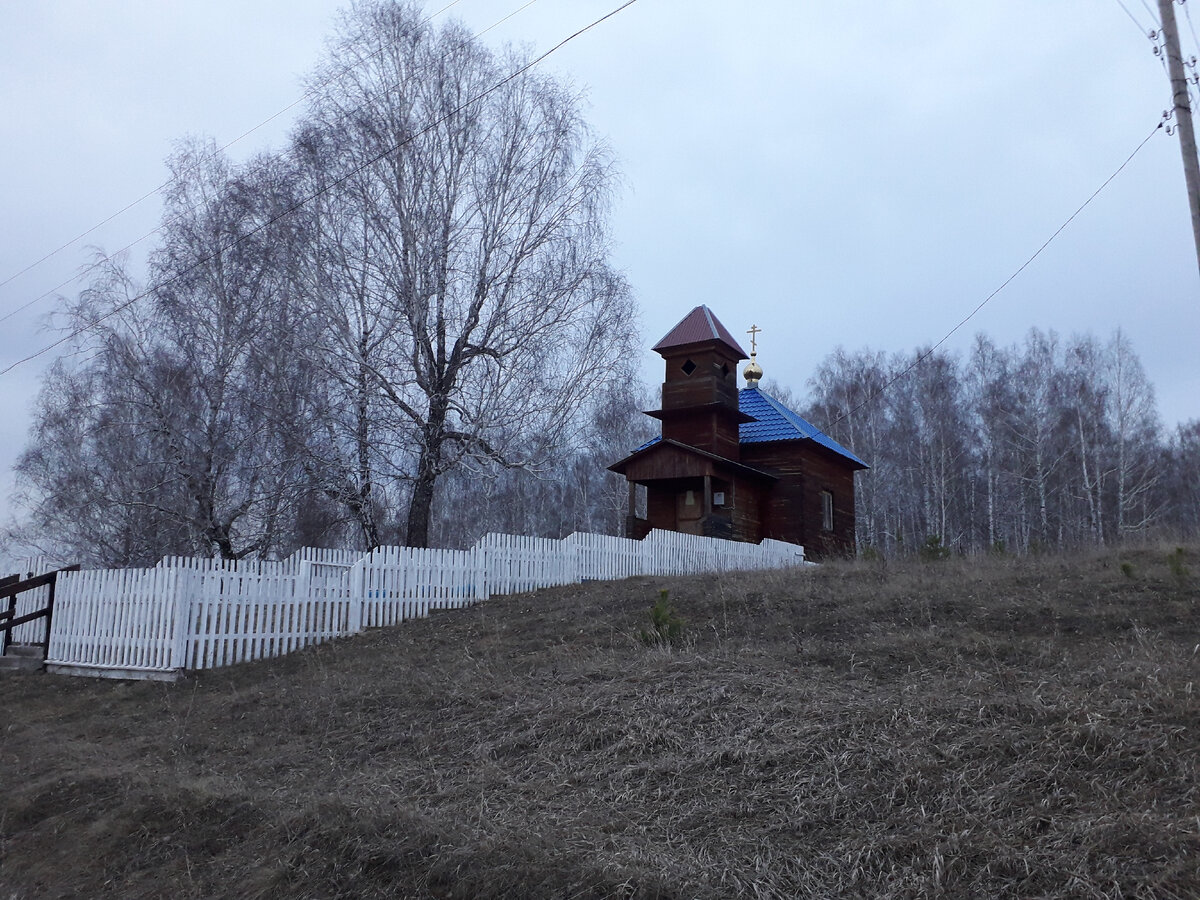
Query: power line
(1138, 25)
(104, 259)
(1187, 11)
(317, 193)
(499, 22)
(312, 91)
(1191, 62)
(1061, 228)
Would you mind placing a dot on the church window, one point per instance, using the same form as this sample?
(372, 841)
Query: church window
(826, 511)
(689, 367)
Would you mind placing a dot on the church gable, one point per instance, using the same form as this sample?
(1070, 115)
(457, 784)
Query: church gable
(666, 459)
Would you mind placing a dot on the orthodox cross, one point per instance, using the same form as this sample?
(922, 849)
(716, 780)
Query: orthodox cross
(754, 332)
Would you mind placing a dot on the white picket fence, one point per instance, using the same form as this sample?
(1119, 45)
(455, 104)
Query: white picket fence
(201, 613)
(120, 619)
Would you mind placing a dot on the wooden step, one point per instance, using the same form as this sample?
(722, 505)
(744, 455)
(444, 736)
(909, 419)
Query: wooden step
(26, 651)
(22, 658)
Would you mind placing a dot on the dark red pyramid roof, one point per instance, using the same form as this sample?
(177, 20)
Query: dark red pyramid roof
(697, 326)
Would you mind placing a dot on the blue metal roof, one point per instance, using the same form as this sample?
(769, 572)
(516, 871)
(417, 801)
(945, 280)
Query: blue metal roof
(649, 443)
(775, 422)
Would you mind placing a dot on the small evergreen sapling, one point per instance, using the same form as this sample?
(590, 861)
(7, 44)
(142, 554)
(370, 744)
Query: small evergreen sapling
(933, 549)
(666, 625)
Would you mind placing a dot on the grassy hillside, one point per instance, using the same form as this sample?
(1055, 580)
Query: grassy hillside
(988, 728)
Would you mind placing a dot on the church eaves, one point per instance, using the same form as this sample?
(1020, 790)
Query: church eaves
(775, 422)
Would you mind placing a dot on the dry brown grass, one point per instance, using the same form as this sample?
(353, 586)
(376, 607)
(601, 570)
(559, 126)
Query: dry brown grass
(1020, 728)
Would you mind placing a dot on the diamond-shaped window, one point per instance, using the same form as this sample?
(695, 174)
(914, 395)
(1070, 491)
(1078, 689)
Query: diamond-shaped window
(724, 370)
(689, 367)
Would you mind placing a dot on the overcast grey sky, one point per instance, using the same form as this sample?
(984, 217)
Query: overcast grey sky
(840, 174)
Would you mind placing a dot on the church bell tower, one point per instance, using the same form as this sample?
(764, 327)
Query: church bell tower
(699, 392)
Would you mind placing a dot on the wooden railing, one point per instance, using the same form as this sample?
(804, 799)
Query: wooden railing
(11, 588)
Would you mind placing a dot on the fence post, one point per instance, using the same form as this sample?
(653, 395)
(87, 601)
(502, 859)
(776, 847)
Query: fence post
(570, 550)
(6, 635)
(49, 614)
(358, 595)
(479, 571)
(181, 609)
(304, 579)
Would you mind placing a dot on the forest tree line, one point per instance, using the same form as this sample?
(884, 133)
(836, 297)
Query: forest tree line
(1047, 444)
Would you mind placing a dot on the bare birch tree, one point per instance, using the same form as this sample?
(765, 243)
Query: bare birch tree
(991, 405)
(177, 387)
(1179, 490)
(96, 478)
(1134, 420)
(479, 204)
(219, 310)
(344, 431)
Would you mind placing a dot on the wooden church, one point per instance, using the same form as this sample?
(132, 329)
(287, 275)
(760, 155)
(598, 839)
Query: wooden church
(736, 464)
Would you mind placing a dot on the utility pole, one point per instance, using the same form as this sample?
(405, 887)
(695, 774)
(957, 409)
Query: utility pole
(1183, 114)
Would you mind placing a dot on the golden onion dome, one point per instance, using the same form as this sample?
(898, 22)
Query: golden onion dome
(752, 373)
